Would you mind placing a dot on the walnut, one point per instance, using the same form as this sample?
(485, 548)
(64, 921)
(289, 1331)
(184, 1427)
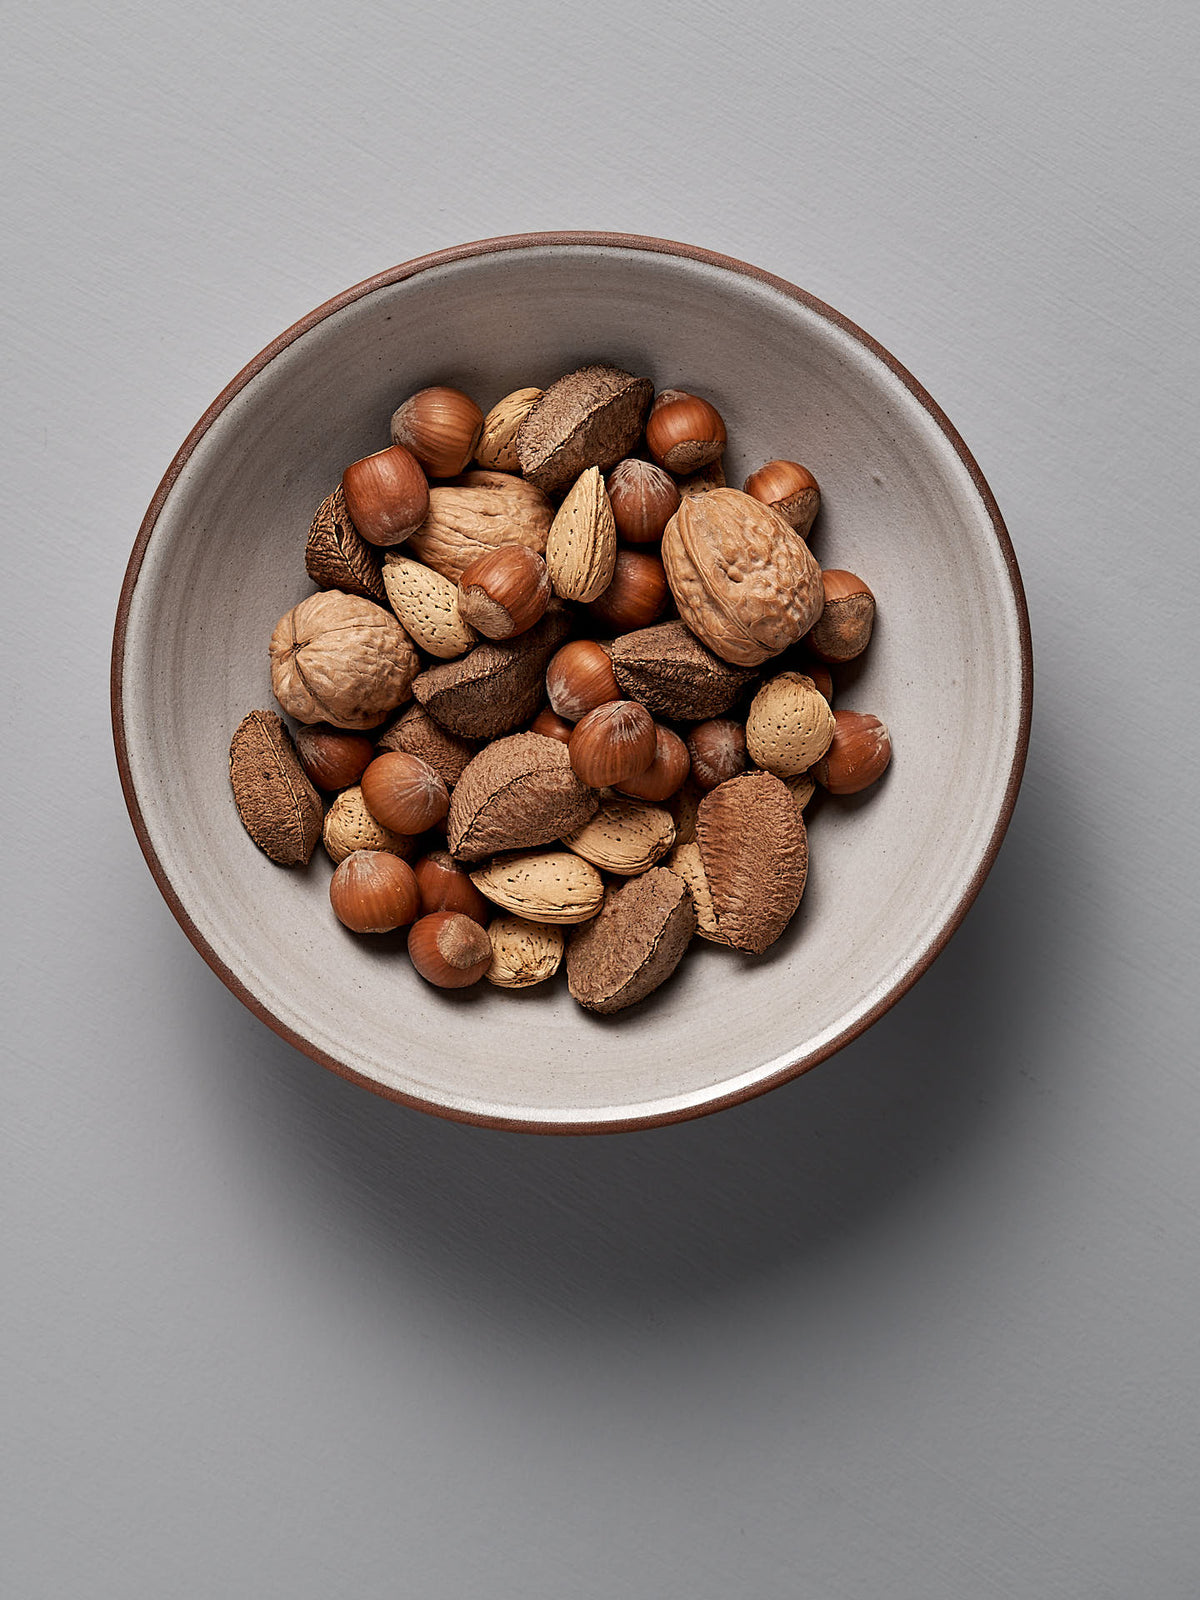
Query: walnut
(342, 659)
(744, 580)
(475, 514)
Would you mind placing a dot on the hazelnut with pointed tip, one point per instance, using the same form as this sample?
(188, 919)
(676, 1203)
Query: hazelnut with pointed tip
(857, 756)
(404, 793)
(643, 497)
(788, 488)
(579, 678)
(504, 592)
(386, 495)
(441, 427)
(718, 751)
(374, 892)
(613, 743)
(684, 432)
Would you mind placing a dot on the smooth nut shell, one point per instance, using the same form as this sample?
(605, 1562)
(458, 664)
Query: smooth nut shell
(718, 751)
(635, 943)
(449, 950)
(643, 498)
(417, 732)
(684, 432)
(445, 885)
(613, 743)
(858, 754)
(743, 580)
(843, 630)
(754, 850)
(517, 793)
(333, 758)
(440, 427)
(637, 595)
(505, 591)
(552, 725)
(279, 808)
(545, 886)
(372, 891)
(580, 678)
(665, 774)
(404, 793)
(790, 489)
(523, 953)
(386, 495)
(339, 658)
(789, 725)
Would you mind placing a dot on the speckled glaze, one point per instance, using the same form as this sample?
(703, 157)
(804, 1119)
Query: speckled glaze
(220, 557)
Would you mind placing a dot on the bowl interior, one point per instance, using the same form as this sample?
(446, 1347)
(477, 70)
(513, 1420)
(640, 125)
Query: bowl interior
(890, 871)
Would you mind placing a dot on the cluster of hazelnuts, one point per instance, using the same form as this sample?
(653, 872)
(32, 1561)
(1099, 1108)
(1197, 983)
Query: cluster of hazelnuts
(613, 742)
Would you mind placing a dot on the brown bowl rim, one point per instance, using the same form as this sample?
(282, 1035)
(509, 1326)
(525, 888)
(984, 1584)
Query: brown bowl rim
(558, 240)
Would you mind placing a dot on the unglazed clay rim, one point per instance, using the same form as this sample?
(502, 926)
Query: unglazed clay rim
(608, 241)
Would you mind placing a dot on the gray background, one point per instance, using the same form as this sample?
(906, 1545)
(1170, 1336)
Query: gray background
(921, 1325)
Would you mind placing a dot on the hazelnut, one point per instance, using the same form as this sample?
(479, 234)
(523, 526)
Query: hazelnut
(445, 886)
(579, 678)
(822, 679)
(643, 498)
(374, 892)
(718, 751)
(333, 758)
(404, 793)
(552, 725)
(665, 774)
(449, 949)
(637, 594)
(843, 630)
(441, 427)
(788, 488)
(505, 591)
(386, 495)
(683, 432)
(858, 755)
(613, 743)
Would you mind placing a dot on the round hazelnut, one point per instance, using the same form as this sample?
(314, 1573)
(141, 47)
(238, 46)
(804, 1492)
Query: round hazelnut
(449, 949)
(374, 892)
(505, 591)
(445, 886)
(843, 630)
(858, 755)
(441, 427)
(333, 758)
(718, 751)
(386, 495)
(636, 596)
(666, 773)
(404, 793)
(822, 679)
(788, 488)
(613, 743)
(579, 678)
(643, 497)
(684, 432)
(552, 725)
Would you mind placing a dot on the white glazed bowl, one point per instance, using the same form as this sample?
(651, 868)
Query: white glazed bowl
(220, 557)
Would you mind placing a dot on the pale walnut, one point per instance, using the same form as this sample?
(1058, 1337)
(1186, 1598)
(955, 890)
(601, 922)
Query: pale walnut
(342, 659)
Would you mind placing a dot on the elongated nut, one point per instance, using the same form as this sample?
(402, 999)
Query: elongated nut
(718, 751)
(404, 793)
(684, 432)
(386, 495)
(581, 548)
(579, 678)
(445, 885)
(440, 426)
(349, 826)
(427, 605)
(843, 630)
(685, 859)
(755, 852)
(542, 886)
(636, 596)
(625, 836)
(788, 488)
(449, 950)
(643, 497)
(665, 774)
(523, 953)
(279, 808)
(505, 591)
(858, 755)
(613, 743)
(789, 726)
(497, 446)
(374, 892)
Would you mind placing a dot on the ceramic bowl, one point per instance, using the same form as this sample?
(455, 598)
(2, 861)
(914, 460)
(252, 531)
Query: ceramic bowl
(220, 557)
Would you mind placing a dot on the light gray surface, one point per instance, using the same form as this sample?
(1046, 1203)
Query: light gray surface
(921, 1325)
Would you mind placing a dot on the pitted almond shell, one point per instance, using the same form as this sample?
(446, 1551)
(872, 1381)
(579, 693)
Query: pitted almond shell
(754, 850)
(543, 886)
(789, 725)
(497, 447)
(349, 826)
(276, 801)
(517, 793)
(683, 806)
(743, 579)
(427, 605)
(802, 787)
(523, 953)
(685, 860)
(474, 514)
(625, 836)
(634, 944)
(581, 549)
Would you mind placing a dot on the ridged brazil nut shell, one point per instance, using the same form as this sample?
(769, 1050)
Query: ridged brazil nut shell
(635, 943)
(517, 793)
(754, 849)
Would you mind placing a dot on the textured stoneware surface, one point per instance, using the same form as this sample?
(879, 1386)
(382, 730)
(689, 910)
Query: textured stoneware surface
(891, 871)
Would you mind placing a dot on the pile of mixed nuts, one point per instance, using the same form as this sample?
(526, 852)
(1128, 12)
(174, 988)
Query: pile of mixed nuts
(615, 679)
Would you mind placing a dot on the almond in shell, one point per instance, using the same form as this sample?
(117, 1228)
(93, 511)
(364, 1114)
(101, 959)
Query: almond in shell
(625, 837)
(523, 953)
(427, 605)
(686, 861)
(634, 944)
(349, 826)
(581, 549)
(497, 447)
(789, 725)
(542, 886)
